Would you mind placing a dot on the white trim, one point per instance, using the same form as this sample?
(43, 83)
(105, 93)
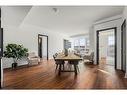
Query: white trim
(125, 75)
(1, 74)
(109, 19)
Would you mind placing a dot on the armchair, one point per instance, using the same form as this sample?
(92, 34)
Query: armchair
(89, 57)
(33, 58)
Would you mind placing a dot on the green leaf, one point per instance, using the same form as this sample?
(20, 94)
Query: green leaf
(15, 51)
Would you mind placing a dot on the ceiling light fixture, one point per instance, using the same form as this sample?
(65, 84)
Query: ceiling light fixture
(55, 10)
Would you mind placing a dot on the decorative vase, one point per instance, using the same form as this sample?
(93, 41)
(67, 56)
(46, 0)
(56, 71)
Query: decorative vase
(66, 52)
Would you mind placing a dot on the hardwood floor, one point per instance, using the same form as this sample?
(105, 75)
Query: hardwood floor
(43, 76)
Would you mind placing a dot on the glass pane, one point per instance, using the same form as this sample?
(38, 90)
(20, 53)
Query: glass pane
(82, 42)
(76, 43)
(110, 40)
(106, 47)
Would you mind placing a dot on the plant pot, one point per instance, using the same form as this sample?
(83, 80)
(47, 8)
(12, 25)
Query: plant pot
(14, 65)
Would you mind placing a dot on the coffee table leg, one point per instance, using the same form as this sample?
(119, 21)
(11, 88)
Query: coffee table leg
(59, 69)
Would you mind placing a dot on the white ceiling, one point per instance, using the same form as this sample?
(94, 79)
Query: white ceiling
(14, 15)
(69, 20)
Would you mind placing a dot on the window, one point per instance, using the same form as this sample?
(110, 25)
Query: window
(111, 40)
(87, 43)
(76, 42)
(81, 45)
(82, 42)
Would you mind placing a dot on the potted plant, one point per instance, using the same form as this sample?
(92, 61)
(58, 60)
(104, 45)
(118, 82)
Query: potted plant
(16, 52)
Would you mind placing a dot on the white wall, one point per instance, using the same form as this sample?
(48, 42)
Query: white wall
(28, 36)
(91, 38)
(108, 23)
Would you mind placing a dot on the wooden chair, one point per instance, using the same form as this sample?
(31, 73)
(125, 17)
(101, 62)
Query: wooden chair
(56, 54)
(72, 63)
(58, 62)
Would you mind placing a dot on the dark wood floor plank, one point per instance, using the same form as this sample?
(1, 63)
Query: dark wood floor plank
(43, 76)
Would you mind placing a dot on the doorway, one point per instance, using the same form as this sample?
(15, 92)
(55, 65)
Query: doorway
(123, 46)
(106, 46)
(43, 46)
